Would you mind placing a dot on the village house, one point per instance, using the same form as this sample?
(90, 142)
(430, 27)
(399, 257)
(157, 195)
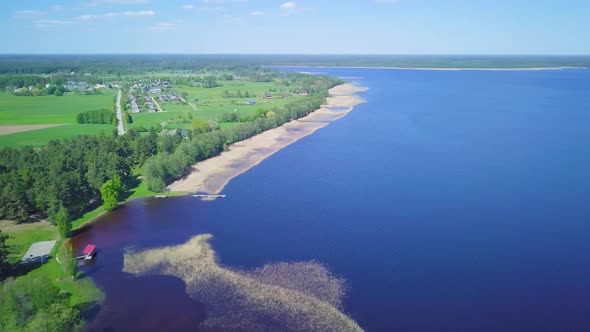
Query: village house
(71, 85)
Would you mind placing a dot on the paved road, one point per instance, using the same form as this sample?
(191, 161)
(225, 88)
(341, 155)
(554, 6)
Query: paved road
(157, 105)
(120, 128)
(191, 105)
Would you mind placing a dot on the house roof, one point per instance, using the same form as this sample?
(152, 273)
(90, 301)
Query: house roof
(38, 250)
(89, 249)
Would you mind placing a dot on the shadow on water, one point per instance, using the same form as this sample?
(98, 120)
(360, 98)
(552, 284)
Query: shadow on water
(89, 310)
(88, 273)
(146, 304)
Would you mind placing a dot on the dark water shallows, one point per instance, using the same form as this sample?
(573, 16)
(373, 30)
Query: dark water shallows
(450, 201)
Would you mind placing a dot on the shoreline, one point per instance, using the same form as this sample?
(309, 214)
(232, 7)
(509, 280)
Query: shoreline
(210, 176)
(437, 69)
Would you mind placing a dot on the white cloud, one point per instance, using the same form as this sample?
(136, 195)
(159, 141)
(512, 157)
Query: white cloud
(231, 19)
(96, 17)
(50, 23)
(257, 13)
(222, 1)
(118, 2)
(289, 8)
(140, 13)
(165, 26)
(188, 7)
(290, 5)
(28, 13)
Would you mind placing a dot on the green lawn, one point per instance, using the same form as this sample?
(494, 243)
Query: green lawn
(50, 109)
(21, 237)
(42, 136)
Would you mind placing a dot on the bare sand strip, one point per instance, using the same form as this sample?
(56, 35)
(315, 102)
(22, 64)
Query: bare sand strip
(212, 175)
(11, 129)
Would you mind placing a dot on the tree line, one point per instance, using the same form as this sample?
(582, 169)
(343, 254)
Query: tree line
(67, 173)
(101, 116)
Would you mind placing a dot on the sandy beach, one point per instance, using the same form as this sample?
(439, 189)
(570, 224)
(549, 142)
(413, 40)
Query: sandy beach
(212, 175)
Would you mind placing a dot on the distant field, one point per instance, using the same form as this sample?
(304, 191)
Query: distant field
(50, 109)
(11, 129)
(42, 136)
(211, 104)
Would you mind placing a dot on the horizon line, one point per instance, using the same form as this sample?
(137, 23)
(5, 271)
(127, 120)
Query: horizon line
(318, 54)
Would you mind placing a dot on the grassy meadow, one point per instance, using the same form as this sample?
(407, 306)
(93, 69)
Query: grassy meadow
(26, 110)
(42, 136)
(50, 109)
(211, 103)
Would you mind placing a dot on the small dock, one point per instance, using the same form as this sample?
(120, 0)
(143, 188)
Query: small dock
(207, 196)
(88, 252)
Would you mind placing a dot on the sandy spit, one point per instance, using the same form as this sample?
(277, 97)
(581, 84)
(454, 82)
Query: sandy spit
(212, 175)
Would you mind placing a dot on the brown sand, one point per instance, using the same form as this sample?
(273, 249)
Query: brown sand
(11, 129)
(212, 175)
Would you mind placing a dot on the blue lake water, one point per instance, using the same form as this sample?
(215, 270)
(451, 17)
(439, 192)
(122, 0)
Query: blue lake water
(449, 201)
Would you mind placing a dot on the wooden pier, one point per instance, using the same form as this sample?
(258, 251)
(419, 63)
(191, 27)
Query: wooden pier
(207, 196)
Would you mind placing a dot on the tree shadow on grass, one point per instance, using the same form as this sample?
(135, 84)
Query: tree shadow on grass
(132, 183)
(21, 269)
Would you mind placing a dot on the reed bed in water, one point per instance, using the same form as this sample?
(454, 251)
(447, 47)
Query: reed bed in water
(301, 296)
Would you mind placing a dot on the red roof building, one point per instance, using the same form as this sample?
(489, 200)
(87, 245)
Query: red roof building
(89, 249)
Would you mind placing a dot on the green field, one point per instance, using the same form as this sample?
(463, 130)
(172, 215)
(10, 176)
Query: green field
(42, 136)
(211, 104)
(50, 109)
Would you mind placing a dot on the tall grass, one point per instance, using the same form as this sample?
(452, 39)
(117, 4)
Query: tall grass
(301, 296)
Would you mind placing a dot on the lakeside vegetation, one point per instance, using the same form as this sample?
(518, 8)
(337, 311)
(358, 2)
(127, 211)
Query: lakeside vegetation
(298, 296)
(54, 180)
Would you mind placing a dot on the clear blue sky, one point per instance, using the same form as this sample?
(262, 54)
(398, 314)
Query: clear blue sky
(300, 26)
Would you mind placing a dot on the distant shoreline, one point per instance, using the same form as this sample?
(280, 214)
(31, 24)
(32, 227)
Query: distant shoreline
(435, 68)
(210, 176)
